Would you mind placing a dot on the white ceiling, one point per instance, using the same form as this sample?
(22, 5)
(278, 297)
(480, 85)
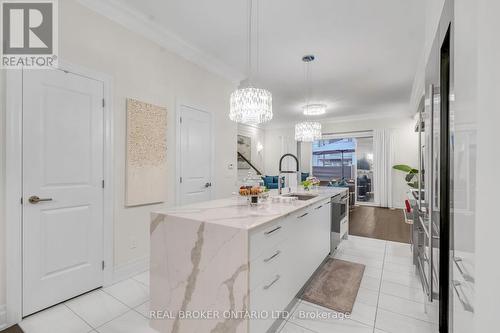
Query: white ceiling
(367, 51)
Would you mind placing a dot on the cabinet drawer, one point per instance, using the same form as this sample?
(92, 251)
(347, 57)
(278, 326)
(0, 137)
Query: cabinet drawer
(264, 238)
(269, 297)
(273, 261)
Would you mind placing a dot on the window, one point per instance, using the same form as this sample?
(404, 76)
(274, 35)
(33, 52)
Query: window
(364, 173)
(347, 159)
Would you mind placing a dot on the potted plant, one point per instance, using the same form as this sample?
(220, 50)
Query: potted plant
(310, 182)
(411, 177)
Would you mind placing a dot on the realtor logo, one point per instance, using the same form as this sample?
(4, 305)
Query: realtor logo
(29, 32)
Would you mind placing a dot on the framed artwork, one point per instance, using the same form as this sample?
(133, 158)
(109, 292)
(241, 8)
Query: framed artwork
(146, 161)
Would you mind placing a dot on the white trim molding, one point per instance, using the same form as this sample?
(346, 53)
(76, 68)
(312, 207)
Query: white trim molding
(130, 269)
(13, 168)
(133, 20)
(3, 316)
(346, 119)
(13, 209)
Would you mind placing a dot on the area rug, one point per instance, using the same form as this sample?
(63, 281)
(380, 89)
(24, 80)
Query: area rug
(335, 286)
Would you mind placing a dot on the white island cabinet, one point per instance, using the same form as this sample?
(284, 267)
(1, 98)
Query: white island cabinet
(223, 266)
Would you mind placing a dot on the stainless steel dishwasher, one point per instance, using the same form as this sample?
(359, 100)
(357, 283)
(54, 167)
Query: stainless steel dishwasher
(339, 213)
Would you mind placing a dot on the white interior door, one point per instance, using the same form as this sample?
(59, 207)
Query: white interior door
(63, 166)
(195, 155)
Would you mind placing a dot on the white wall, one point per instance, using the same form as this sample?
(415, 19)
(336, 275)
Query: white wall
(487, 300)
(280, 141)
(2, 191)
(433, 10)
(258, 135)
(142, 70)
(406, 145)
(306, 157)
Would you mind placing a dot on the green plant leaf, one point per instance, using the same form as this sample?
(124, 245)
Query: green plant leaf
(414, 171)
(402, 167)
(413, 185)
(409, 177)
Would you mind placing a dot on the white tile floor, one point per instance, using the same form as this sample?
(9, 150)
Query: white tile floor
(120, 308)
(389, 301)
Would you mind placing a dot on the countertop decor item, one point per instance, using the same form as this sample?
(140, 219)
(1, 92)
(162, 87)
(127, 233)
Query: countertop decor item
(248, 104)
(254, 193)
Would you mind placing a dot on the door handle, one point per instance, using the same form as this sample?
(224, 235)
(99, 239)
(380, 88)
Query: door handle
(459, 263)
(35, 199)
(457, 286)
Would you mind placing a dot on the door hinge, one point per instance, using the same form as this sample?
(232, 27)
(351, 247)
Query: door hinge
(180, 120)
(103, 265)
(103, 102)
(103, 183)
(180, 179)
(21, 200)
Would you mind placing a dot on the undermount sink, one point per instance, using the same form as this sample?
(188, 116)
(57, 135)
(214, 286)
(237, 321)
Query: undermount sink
(301, 196)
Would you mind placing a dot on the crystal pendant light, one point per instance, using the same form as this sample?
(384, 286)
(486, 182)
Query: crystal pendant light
(250, 105)
(310, 109)
(307, 131)
(314, 109)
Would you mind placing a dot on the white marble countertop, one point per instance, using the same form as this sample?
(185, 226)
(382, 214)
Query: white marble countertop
(235, 211)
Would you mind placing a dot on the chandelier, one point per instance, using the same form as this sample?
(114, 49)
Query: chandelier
(314, 109)
(308, 131)
(310, 109)
(250, 105)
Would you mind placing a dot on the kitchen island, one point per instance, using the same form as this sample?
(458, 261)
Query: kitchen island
(223, 266)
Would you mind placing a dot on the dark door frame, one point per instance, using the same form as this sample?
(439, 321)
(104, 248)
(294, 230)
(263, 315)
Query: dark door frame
(445, 219)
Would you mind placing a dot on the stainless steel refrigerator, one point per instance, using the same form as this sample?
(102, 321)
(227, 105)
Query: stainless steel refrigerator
(444, 230)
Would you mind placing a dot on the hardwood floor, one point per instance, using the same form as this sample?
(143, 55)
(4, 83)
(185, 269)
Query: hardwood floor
(381, 223)
(12, 329)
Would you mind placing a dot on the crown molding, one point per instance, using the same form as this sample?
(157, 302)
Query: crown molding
(141, 24)
(344, 119)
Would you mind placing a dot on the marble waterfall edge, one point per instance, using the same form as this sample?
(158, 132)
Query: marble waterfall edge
(198, 269)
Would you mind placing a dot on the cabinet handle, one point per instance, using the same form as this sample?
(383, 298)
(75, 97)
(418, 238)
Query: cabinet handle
(318, 207)
(301, 216)
(274, 230)
(461, 298)
(273, 256)
(273, 282)
(459, 262)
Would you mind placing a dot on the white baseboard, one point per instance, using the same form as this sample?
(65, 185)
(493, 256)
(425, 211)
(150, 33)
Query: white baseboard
(129, 269)
(3, 316)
